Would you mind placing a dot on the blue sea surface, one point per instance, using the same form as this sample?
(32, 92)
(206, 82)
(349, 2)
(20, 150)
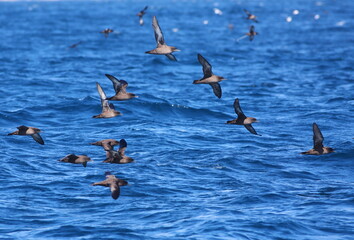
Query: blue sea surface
(194, 177)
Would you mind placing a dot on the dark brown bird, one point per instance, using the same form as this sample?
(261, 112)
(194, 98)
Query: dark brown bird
(113, 183)
(242, 119)
(162, 48)
(141, 14)
(75, 45)
(318, 148)
(107, 144)
(108, 110)
(120, 87)
(76, 159)
(251, 33)
(107, 31)
(119, 156)
(209, 77)
(31, 131)
(250, 16)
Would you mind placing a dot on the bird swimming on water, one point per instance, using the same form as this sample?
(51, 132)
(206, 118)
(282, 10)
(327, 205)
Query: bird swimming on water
(242, 119)
(113, 183)
(318, 148)
(141, 14)
(76, 159)
(120, 87)
(108, 110)
(107, 31)
(250, 16)
(119, 156)
(31, 131)
(162, 48)
(209, 77)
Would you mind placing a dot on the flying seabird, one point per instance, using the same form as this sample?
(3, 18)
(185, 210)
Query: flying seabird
(209, 77)
(162, 48)
(318, 148)
(113, 183)
(141, 14)
(76, 159)
(33, 132)
(108, 110)
(118, 156)
(120, 87)
(242, 119)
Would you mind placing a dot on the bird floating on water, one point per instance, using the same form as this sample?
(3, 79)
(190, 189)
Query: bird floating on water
(113, 183)
(120, 87)
(162, 48)
(141, 14)
(108, 110)
(318, 148)
(31, 131)
(209, 77)
(76, 159)
(242, 119)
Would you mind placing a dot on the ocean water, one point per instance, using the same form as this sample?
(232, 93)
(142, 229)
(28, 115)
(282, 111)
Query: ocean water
(194, 177)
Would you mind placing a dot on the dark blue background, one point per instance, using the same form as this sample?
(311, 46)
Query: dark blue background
(194, 176)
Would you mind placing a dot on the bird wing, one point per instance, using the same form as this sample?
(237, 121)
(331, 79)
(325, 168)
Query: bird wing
(251, 129)
(38, 138)
(115, 189)
(206, 66)
(317, 138)
(171, 57)
(122, 147)
(216, 89)
(238, 109)
(118, 85)
(104, 102)
(145, 8)
(247, 12)
(158, 32)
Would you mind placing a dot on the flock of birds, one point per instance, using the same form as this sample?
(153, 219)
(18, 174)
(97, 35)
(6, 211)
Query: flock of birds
(121, 94)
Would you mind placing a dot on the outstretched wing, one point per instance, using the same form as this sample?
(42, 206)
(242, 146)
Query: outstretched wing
(158, 32)
(38, 138)
(216, 89)
(206, 66)
(317, 138)
(247, 12)
(122, 147)
(104, 101)
(251, 129)
(171, 57)
(143, 11)
(238, 109)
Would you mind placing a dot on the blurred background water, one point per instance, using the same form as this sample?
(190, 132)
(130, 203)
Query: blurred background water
(194, 177)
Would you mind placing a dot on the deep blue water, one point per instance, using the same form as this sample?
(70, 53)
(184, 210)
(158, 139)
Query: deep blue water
(194, 177)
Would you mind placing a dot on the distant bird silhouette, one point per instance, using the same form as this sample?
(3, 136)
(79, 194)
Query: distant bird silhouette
(108, 110)
(113, 183)
(251, 34)
(107, 31)
(31, 131)
(242, 119)
(118, 156)
(76, 159)
(141, 14)
(75, 44)
(162, 48)
(120, 87)
(318, 148)
(250, 16)
(209, 77)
